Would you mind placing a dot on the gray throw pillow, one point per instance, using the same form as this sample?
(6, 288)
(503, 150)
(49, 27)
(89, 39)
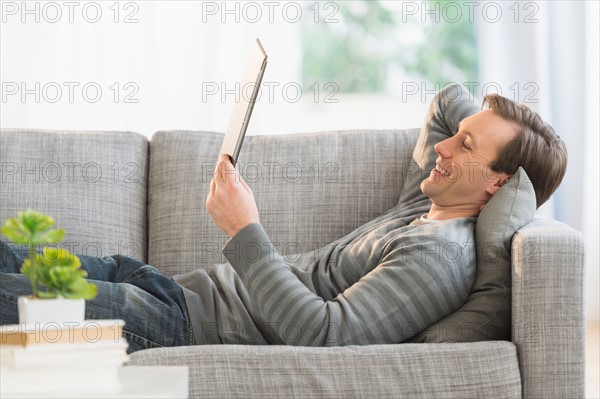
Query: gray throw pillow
(486, 314)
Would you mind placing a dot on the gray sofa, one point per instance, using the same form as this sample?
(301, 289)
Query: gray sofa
(109, 191)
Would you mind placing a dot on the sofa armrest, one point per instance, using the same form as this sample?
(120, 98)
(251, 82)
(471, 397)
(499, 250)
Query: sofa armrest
(547, 309)
(473, 370)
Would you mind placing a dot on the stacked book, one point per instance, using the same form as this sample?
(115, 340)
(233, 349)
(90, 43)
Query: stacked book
(76, 357)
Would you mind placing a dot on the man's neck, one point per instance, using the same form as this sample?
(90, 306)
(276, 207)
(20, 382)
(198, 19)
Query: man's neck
(444, 213)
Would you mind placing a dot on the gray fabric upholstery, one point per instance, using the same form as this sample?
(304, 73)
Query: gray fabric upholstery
(547, 309)
(547, 257)
(310, 189)
(92, 183)
(473, 370)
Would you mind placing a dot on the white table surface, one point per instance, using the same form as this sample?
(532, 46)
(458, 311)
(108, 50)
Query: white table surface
(137, 382)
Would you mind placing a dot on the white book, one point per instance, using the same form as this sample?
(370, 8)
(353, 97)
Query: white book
(18, 358)
(86, 331)
(76, 347)
(84, 355)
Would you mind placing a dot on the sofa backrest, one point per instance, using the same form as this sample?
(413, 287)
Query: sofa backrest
(114, 192)
(310, 189)
(92, 183)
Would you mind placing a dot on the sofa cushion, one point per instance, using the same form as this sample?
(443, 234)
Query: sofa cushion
(310, 189)
(464, 370)
(92, 183)
(486, 314)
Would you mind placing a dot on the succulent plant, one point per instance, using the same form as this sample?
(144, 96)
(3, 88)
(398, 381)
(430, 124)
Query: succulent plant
(56, 272)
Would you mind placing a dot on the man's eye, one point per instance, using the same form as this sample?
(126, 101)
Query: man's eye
(464, 144)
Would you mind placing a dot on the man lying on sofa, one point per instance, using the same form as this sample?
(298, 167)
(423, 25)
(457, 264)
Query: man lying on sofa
(364, 288)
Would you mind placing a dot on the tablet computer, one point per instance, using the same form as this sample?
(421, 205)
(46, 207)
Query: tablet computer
(234, 136)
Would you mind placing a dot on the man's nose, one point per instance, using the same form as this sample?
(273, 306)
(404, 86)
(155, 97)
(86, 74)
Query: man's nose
(443, 149)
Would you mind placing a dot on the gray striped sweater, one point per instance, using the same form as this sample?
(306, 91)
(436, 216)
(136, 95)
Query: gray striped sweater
(382, 283)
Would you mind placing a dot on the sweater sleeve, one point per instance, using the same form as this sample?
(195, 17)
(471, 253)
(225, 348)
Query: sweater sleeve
(410, 289)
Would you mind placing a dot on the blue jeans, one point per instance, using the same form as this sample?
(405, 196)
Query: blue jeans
(152, 305)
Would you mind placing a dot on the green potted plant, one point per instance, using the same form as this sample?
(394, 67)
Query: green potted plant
(58, 284)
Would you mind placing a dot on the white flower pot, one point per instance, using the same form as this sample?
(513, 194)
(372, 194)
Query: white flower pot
(58, 310)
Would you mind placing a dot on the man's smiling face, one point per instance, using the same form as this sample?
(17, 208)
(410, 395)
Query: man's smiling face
(462, 181)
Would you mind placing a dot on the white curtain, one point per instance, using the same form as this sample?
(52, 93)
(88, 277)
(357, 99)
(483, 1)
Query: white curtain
(168, 57)
(165, 60)
(546, 55)
(591, 175)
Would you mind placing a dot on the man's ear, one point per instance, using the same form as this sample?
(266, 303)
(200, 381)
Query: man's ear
(494, 185)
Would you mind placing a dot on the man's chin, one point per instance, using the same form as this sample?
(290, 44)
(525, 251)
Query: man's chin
(432, 187)
(426, 187)
(429, 181)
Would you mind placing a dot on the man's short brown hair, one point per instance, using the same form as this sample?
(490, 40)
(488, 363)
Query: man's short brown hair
(536, 147)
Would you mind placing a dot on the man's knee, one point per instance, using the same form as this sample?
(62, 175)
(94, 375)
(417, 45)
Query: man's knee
(129, 269)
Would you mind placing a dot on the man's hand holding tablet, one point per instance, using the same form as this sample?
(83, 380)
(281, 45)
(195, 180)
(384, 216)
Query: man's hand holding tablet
(230, 201)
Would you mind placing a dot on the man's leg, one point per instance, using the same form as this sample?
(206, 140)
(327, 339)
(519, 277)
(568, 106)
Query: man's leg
(108, 268)
(152, 305)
